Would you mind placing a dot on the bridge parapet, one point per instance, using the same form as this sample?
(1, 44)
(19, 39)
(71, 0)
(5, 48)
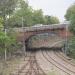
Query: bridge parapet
(26, 32)
(44, 27)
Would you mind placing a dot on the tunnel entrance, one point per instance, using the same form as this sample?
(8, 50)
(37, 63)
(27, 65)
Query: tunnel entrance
(44, 41)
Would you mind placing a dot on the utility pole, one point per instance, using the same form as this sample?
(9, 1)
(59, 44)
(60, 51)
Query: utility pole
(24, 48)
(22, 22)
(66, 40)
(5, 48)
(5, 31)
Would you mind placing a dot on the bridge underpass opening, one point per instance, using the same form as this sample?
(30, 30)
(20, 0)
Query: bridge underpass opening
(50, 40)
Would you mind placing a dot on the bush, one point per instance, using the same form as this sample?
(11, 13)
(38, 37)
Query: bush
(72, 47)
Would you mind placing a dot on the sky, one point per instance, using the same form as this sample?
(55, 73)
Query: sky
(56, 8)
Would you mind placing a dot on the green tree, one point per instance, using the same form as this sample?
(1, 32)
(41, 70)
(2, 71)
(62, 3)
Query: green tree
(38, 17)
(72, 24)
(23, 11)
(70, 12)
(1, 23)
(30, 16)
(54, 20)
(24, 14)
(8, 42)
(72, 47)
(51, 20)
(70, 16)
(6, 9)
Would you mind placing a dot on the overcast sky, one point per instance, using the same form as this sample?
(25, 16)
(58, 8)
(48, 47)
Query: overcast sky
(52, 7)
